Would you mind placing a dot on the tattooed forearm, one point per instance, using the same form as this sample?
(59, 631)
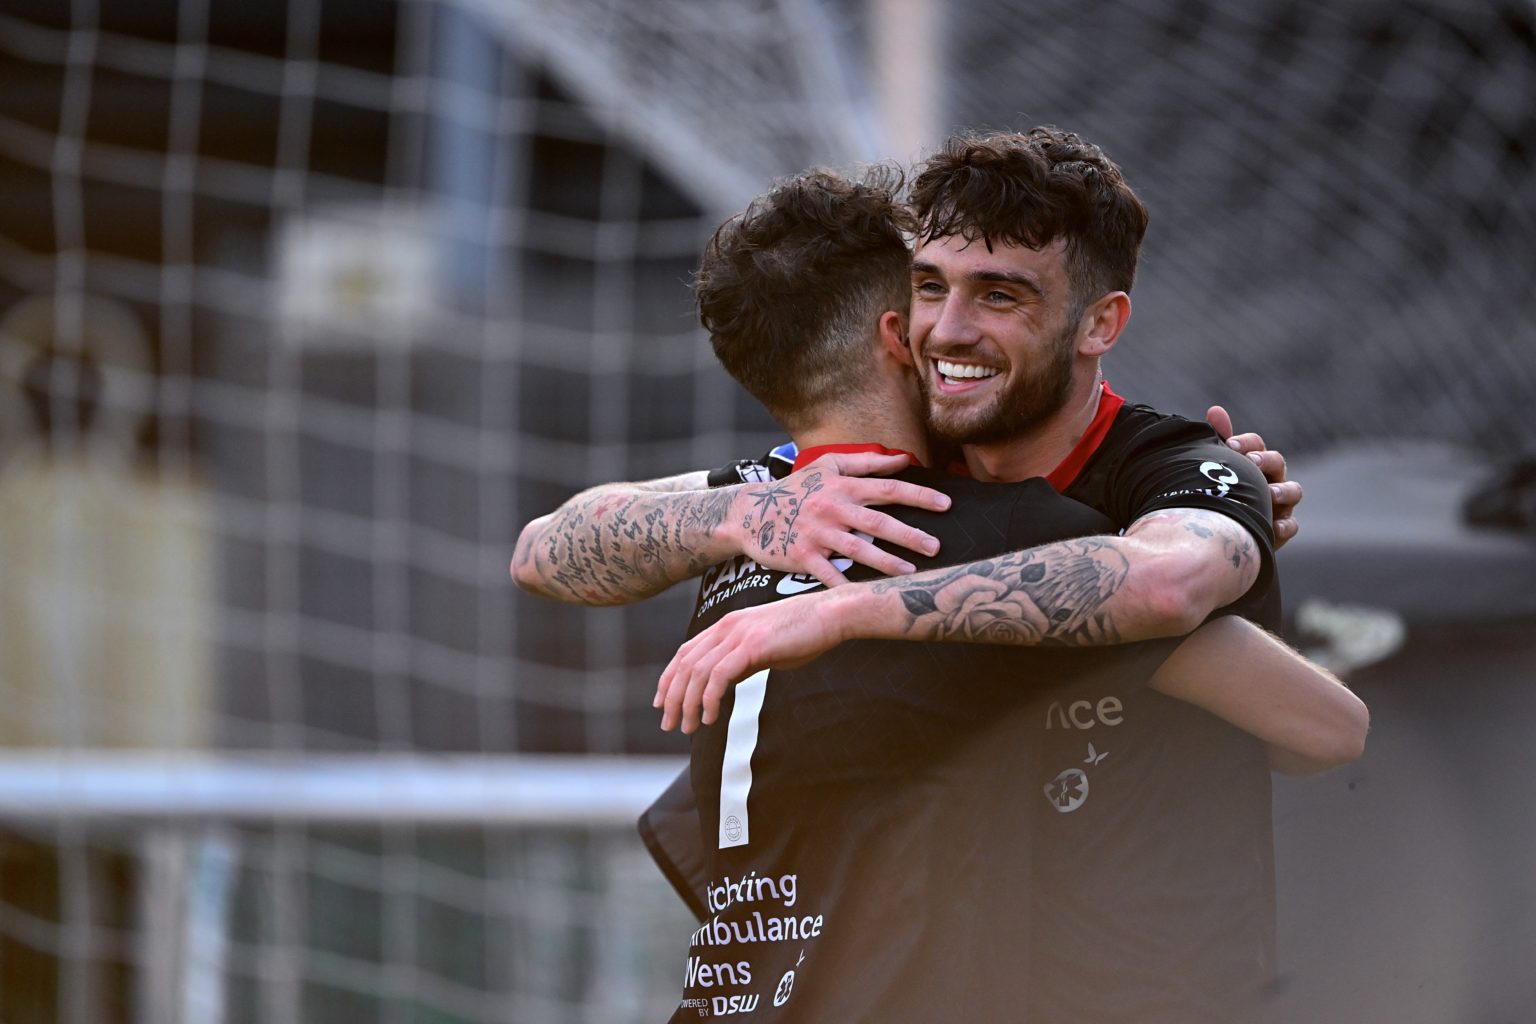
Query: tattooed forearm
(1162, 577)
(617, 545)
(1054, 594)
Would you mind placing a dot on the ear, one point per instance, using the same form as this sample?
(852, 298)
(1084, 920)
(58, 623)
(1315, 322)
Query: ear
(892, 329)
(1101, 324)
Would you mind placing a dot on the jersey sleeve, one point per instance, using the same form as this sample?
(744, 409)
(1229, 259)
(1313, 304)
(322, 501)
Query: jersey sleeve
(777, 462)
(1178, 463)
(742, 471)
(670, 830)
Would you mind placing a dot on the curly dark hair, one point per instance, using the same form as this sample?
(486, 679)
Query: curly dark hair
(1030, 189)
(791, 289)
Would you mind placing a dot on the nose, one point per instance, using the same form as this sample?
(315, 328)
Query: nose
(953, 324)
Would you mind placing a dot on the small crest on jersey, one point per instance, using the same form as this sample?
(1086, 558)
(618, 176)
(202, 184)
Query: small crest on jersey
(786, 986)
(1068, 791)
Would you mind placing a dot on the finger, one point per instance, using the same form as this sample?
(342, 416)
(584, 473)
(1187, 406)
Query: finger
(855, 547)
(731, 669)
(693, 695)
(1220, 422)
(665, 682)
(1284, 497)
(858, 464)
(669, 674)
(669, 708)
(1285, 530)
(1246, 443)
(880, 491)
(1271, 464)
(821, 568)
(677, 687)
(868, 525)
(659, 701)
(673, 717)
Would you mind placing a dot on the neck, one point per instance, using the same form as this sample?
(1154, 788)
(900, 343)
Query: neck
(1039, 450)
(892, 431)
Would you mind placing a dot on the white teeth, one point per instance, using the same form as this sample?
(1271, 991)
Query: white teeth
(962, 371)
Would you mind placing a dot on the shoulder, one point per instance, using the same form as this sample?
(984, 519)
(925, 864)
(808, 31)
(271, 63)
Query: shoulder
(1170, 455)
(1139, 438)
(1141, 429)
(973, 499)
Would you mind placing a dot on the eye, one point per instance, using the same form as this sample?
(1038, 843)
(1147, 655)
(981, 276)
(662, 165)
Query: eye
(928, 287)
(999, 297)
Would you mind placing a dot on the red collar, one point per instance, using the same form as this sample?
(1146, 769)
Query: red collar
(1060, 478)
(810, 455)
(1109, 404)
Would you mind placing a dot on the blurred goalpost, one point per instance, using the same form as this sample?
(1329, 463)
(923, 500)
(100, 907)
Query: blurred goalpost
(187, 822)
(444, 791)
(200, 833)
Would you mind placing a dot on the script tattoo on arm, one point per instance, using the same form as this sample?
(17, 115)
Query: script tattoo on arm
(616, 545)
(1055, 594)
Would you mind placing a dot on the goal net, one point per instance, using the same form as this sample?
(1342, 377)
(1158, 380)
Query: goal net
(307, 305)
(1339, 198)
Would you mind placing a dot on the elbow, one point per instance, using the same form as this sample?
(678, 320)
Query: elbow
(522, 577)
(524, 567)
(521, 568)
(1175, 596)
(1354, 724)
(1340, 742)
(1180, 589)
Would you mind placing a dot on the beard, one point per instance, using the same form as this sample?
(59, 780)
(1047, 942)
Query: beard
(1027, 401)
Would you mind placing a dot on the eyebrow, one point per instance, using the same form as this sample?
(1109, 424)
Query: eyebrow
(998, 276)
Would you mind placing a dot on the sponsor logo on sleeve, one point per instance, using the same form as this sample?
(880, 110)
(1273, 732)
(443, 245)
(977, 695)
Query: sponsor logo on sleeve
(1222, 478)
(1220, 474)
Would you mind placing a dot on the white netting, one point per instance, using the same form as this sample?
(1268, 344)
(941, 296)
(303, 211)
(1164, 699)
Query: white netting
(304, 308)
(306, 305)
(1340, 198)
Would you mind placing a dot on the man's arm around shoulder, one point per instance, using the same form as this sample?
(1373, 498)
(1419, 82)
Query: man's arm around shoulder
(1235, 670)
(619, 543)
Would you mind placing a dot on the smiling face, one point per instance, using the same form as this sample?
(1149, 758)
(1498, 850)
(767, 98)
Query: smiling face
(994, 333)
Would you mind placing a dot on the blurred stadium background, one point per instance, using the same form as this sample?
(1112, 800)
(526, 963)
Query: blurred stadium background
(307, 305)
